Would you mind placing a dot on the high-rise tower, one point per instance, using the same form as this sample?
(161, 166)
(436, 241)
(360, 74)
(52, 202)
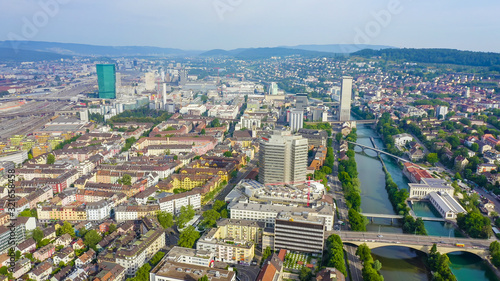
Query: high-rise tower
(283, 158)
(345, 99)
(106, 80)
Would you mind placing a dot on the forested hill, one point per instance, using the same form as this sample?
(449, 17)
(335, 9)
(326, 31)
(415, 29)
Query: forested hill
(450, 56)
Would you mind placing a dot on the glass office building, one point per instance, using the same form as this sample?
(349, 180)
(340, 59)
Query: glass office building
(106, 79)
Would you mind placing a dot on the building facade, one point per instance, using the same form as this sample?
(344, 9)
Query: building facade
(283, 158)
(106, 79)
(344, 111)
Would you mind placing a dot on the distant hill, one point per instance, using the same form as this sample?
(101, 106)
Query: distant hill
(12, 55)
(259, 53)
(449, 56)
(338, 48)
(93, 50)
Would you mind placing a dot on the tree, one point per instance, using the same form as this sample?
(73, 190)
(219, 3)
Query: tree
(216, 123)
(327, 170)
(51, 159)
(234, 174)
(219, 205)
(165, 219)
(204, 278)
(267, 253)
(38, 235)
(228, 154)
(125, 180)
(432, 158)
(474, 147)
(210, 218)
(305, 274)
(338, 137)
(203, 132)
(377, 265)
(66, 228)
(92, 238)
(188, 237)
(157, 258)
(186, 214)
(112, 228)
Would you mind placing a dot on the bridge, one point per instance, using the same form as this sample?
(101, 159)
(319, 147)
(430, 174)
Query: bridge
(479, 247)
(336, 122)
(379, 151)
(387, 216)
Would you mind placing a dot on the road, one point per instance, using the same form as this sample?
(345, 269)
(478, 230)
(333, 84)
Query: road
(336, 191)
(411, 239)
(355, 265)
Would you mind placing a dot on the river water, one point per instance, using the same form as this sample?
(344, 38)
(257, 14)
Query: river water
(401, 263)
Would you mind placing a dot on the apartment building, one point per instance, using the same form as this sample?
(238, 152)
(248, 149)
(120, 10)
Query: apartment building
(173, 203)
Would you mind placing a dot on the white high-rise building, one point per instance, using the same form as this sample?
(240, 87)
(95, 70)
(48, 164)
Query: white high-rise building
(345, 99)
(273, 89)
(283, 158)
(296, 120)
(441, 110)
(150, 81)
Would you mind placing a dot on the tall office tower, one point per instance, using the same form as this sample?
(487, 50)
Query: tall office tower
(296, 120)
(106, 80)
(301, 101)
(273, 89)
(283, 158)
(467, 93)
(345, 99)
(150, 81)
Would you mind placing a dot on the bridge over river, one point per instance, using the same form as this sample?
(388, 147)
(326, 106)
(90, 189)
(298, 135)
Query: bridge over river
(479, 247)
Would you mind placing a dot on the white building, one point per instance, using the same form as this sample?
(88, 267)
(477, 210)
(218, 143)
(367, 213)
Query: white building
(441, 111)
(224, 111)
(345, 99)
(193, 109)
(296, 120)
(402, 139)
(428, 185)
(446, 205)
(247, 121)
(98, 210)
(283, 158)
(173, 203)
(267, 213)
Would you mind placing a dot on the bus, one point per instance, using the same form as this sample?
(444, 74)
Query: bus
(460, 245)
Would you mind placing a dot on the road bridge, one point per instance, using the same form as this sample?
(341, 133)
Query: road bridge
(479, 247)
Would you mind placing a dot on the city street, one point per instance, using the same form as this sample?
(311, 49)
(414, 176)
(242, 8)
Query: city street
(355, 265)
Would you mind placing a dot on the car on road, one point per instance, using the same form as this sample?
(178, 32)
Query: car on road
(380, 236)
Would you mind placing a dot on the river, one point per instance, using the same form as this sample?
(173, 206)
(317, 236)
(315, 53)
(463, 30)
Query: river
(401, 263)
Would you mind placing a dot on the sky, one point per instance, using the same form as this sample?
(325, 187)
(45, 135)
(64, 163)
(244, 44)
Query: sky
(230, 24)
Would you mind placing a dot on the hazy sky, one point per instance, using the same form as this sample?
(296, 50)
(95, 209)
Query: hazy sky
(228, 24)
